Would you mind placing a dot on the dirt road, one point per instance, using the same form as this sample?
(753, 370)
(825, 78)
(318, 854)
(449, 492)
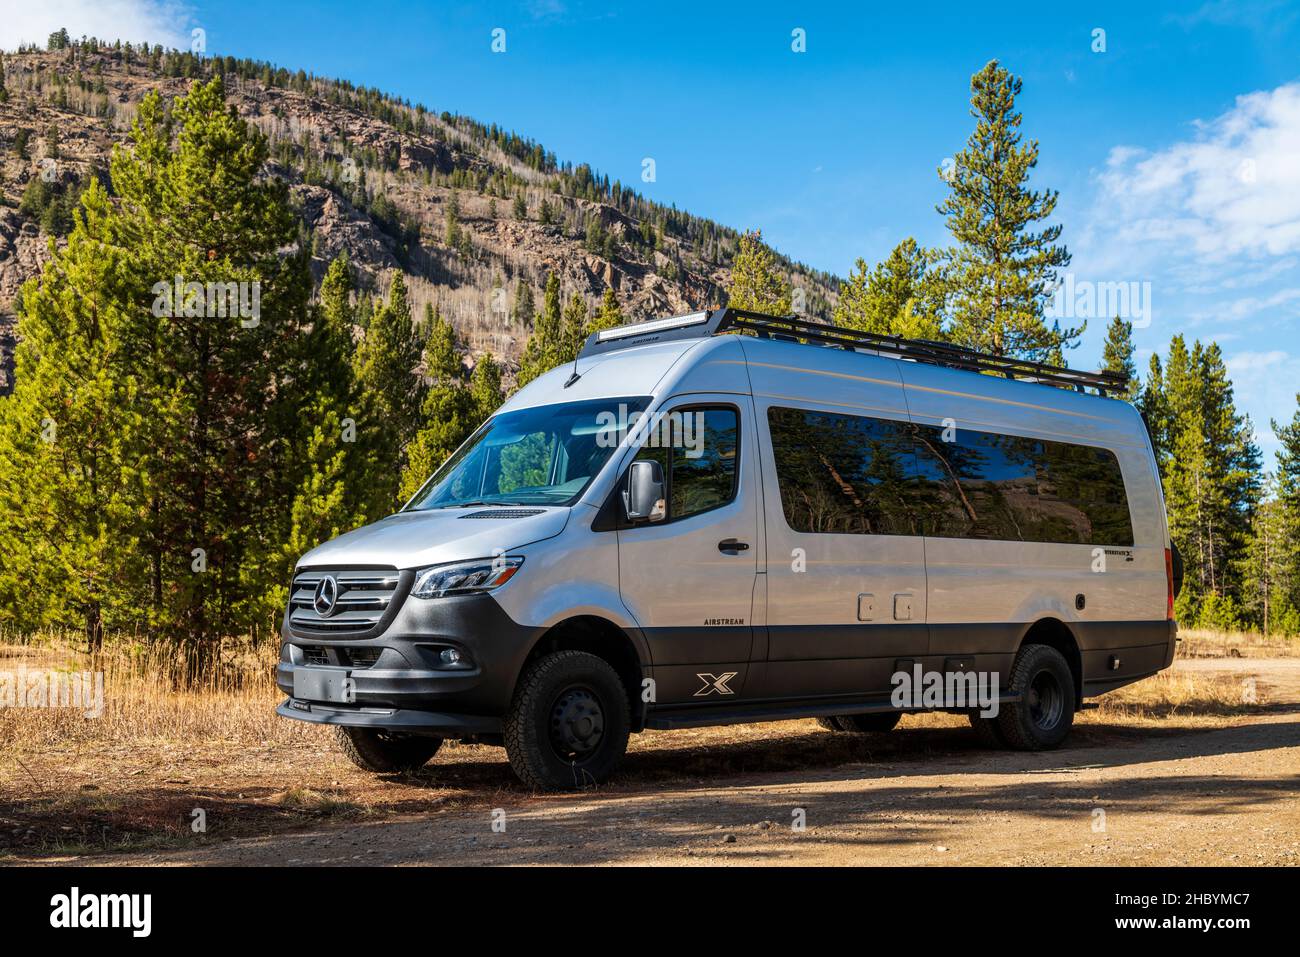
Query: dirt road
(921, 795)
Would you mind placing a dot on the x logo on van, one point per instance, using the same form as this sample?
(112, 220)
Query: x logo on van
(714, 683)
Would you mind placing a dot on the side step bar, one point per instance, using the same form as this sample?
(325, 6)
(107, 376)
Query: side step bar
(665, 719)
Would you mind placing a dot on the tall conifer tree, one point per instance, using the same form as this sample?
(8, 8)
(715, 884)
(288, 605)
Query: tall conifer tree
(1003, 264)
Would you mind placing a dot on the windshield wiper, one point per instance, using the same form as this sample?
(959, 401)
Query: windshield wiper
(477, 504)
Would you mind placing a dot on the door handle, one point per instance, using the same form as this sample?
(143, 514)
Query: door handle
(732, 545)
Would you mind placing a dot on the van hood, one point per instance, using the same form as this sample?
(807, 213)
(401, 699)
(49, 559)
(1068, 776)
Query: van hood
(415, 539)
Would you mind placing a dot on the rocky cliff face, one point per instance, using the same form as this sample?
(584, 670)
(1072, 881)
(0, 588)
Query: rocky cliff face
(384, 182)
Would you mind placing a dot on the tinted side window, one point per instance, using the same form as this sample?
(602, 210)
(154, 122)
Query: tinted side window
(991, 486)
(981, 485)
(699, 451)
(1083, 487)
(844, 474)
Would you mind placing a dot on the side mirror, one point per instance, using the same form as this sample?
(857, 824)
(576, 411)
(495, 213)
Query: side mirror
(644, 498)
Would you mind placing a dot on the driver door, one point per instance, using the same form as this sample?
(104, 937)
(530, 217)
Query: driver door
(689, 579)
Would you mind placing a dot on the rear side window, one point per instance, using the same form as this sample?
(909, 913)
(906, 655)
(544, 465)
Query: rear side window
(699, 451)
(1011, 488)
(1082, 488)
(844, 474)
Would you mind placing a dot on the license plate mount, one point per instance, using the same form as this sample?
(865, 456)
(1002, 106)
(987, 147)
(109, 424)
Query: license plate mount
(317, 684)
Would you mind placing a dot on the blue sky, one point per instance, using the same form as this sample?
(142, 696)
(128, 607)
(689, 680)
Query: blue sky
(1176, 149)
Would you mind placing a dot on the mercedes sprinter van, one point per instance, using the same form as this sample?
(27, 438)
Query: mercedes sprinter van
(727, 517)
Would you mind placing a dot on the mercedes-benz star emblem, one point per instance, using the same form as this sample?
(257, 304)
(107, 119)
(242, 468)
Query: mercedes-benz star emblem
(327, 593)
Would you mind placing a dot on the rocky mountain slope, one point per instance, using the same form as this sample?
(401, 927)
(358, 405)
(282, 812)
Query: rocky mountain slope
(468, 212)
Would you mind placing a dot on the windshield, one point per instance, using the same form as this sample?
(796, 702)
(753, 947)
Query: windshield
(542, 456)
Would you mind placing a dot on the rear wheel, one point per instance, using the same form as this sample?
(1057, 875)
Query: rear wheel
(568, 724)
(386, 752)
(1043, 716)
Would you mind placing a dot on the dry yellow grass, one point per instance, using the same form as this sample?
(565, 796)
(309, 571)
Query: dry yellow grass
(1204, 643)
(147, 697)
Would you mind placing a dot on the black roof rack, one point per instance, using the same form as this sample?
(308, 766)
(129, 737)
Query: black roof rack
(795, 329)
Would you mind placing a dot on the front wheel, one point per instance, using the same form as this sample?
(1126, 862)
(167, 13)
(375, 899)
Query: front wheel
(386, 752)
(568, 724)
(1043, 716)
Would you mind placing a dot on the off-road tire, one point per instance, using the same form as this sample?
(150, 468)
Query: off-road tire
(1043, 716)
(386, 752)
(567, 701)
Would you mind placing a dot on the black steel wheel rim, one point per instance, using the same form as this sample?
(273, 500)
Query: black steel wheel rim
(1046, 701)
(577, 724)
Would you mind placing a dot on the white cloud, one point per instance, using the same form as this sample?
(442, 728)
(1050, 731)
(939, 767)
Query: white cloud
(158, 21)
(1232, 190)
(1213, 222)
(1246, 363)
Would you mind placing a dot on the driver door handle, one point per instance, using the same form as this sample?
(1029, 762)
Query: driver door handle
(731, 546)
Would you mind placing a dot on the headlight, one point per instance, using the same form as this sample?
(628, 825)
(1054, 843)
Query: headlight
(465, 578)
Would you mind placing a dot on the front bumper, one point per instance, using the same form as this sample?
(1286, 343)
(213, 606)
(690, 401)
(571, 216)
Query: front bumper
(398, 680)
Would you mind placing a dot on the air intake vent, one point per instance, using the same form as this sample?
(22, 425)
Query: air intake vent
(315, 655)
(505, 513)
(362, 657)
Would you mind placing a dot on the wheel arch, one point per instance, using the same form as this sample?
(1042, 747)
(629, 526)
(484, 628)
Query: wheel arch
(603, 638)
(1057, 634)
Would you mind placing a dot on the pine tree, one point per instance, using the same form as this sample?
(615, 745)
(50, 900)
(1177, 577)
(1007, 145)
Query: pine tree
(1153, 404)
(608, 315)
(341, 477)
(899, 297)
(523, 309)
(453, 221)
(1235, 463)
(1001, 268)
(1287, 494)
(1211, 481)
(1288, 459)
(1270, 566)
(447, 413)
(4, 92)
(542, 352)
(573, 329)
(392, 391)
(68, 493)
(484, 389)
(1117, 356)
(755, 282)
(520, 207)
(188, 397)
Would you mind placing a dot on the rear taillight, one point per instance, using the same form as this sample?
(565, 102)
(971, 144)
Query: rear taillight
(1169, 582)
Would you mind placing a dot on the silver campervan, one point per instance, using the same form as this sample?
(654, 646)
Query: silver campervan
(690, 527)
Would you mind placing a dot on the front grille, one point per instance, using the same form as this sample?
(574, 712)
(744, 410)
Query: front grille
(362, 599)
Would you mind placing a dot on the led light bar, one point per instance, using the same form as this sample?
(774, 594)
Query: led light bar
(655, 325)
